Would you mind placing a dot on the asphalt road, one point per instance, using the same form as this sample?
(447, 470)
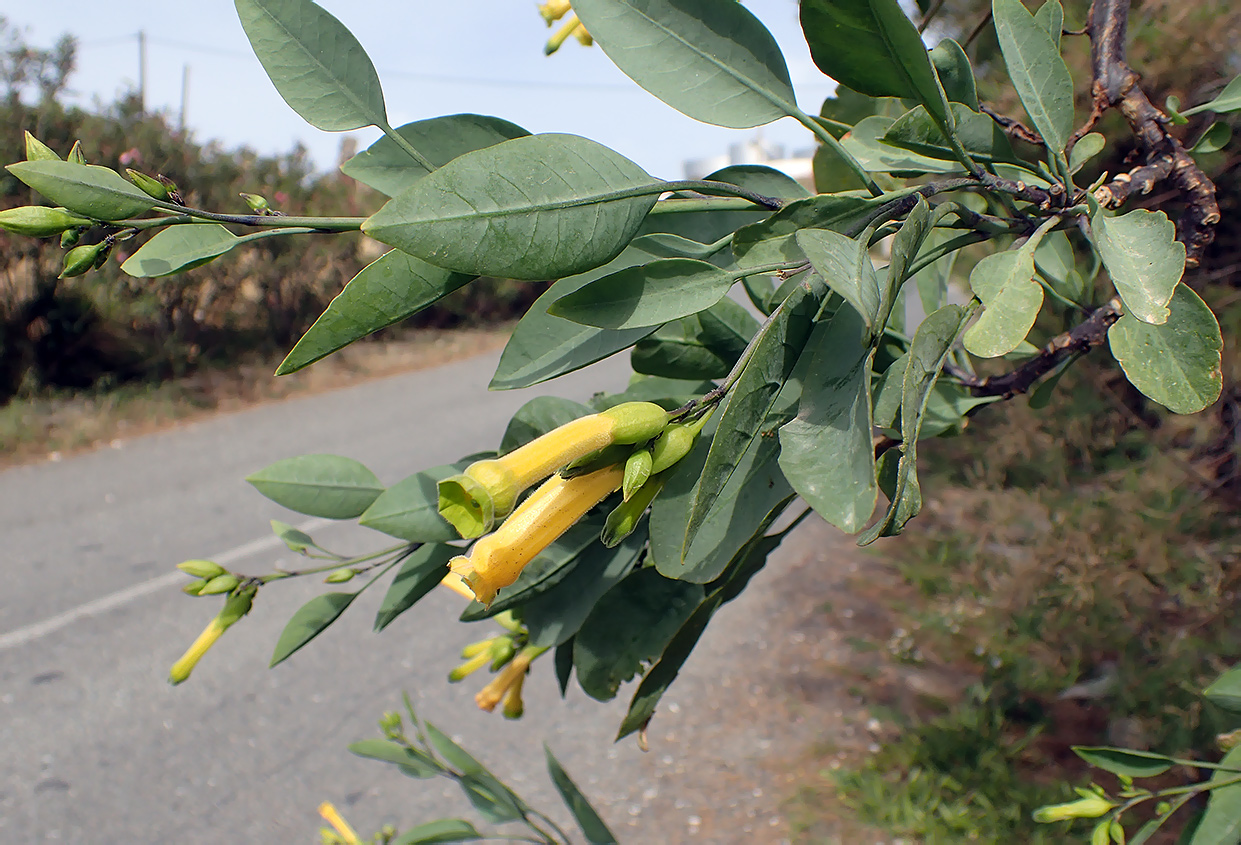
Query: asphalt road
(95, 746)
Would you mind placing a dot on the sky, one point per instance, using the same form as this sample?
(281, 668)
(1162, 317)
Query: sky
(434, 57)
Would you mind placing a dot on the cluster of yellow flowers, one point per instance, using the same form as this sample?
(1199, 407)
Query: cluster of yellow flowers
(554, 10)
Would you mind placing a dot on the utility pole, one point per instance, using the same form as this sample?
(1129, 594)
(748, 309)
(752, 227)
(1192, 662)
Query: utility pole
(142, 70)
(185, 94)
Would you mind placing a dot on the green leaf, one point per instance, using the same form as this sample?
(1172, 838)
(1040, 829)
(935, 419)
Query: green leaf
(297, 540)
(866, 144)
(955, 73)
(537, 417)
(630, 626)
(676, 351)
(1228, 100)
(1225, 692)
(1144, 259)
(712, 61)
(753, 397)
(1178, 364)
(556, 615)
(668, 393)
(419, 574)
(309, 621)
(827, 452)
(1037, 70)
(329, 486)
(932, 280)
(391, 288)
(1214, 139)
(1050, 16)
(772, 240)
(389, 169)
(411, 761)
(533, 208)
(927, 352)
(1124, 761)
(656, 681)
(316, 64)
(646, 295)
(543, 346)
(977, 133)
(872, 47)
(909, 239)
(1221, 824)
(588, 820)
(1004, 282)
(179, 248)
(845, 264)
(85, 189)
(439, 831)
(1086, 148)
(495, 801)
(409, 509)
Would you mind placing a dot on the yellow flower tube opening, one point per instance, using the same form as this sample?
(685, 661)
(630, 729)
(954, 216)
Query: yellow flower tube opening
(496, 560)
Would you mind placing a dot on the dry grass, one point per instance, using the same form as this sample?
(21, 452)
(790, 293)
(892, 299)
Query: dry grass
(52, 425)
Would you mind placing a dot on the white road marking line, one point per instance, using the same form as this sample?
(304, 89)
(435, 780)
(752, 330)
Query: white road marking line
(38, 630)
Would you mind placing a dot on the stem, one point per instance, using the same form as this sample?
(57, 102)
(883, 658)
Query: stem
(270, 221)
(400, 141)
(564, 836)
(679, 206)
(945, 248)
(408, 548)
(930, 15)
(704, 186)
(827, 138)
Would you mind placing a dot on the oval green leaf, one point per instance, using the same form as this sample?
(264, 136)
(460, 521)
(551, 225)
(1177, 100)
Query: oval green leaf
(328, 486)
(1004, 282)
(1221, 823)
(710, 60)
(309, 621)
(419, 574)
(409, 509)
(1037, 70)
(1144, 259)
(1225, 692)
(1178, 364)
(587, 818)
(179, 248)
(1228, 100)
(390, 170)
(390, 289)
(532, 208)
(438, 832)
(955, 73)
(1124, 761)
(410, 761)
(316, 64)
(646, 295)
(85, 189)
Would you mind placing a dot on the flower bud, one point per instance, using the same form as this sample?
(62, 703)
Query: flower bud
(39, 221)
(36, 150)
(637, 471)
(150, 186)
(69, 238)
(347, 834)
(502, 651)
(475, 649)
(202, 568)
(75, 154)
(636, 422)
(236, 606)
(675, 443)
(469, 667)
(81, 259)
(571, 26)
(256, 202)
(225, 583)
(1090, 806)
(624, 517)
(513, 705)
(194, 587)
(597, 460)
(339, 576)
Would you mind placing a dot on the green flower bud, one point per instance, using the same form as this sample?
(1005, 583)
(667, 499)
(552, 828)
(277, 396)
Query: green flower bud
(220, 584)
(76, 155)
(256, 203)
(101, 257)
(194, 587)
(469, 667)
(39, 221)
(501, 652)
(597, 460)
(36, 150)
(675, 443)
(202, 568)
(1099, 836)
(339, 576)
(624, 517)
(637, 471)
(636, 422)
(475, 649)
(69, 238)
(1088, 807)
(81, 259)
(150, 186)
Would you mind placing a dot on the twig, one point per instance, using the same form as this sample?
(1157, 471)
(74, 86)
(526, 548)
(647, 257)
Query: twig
(1084, 337)
(1013, 127)
(1115, 86)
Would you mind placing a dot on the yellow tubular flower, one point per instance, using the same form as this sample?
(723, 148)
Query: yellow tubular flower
(554, 10)
(514, 673)
(453, 582)
(496, 560)
(236, 606)
(342, 828)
